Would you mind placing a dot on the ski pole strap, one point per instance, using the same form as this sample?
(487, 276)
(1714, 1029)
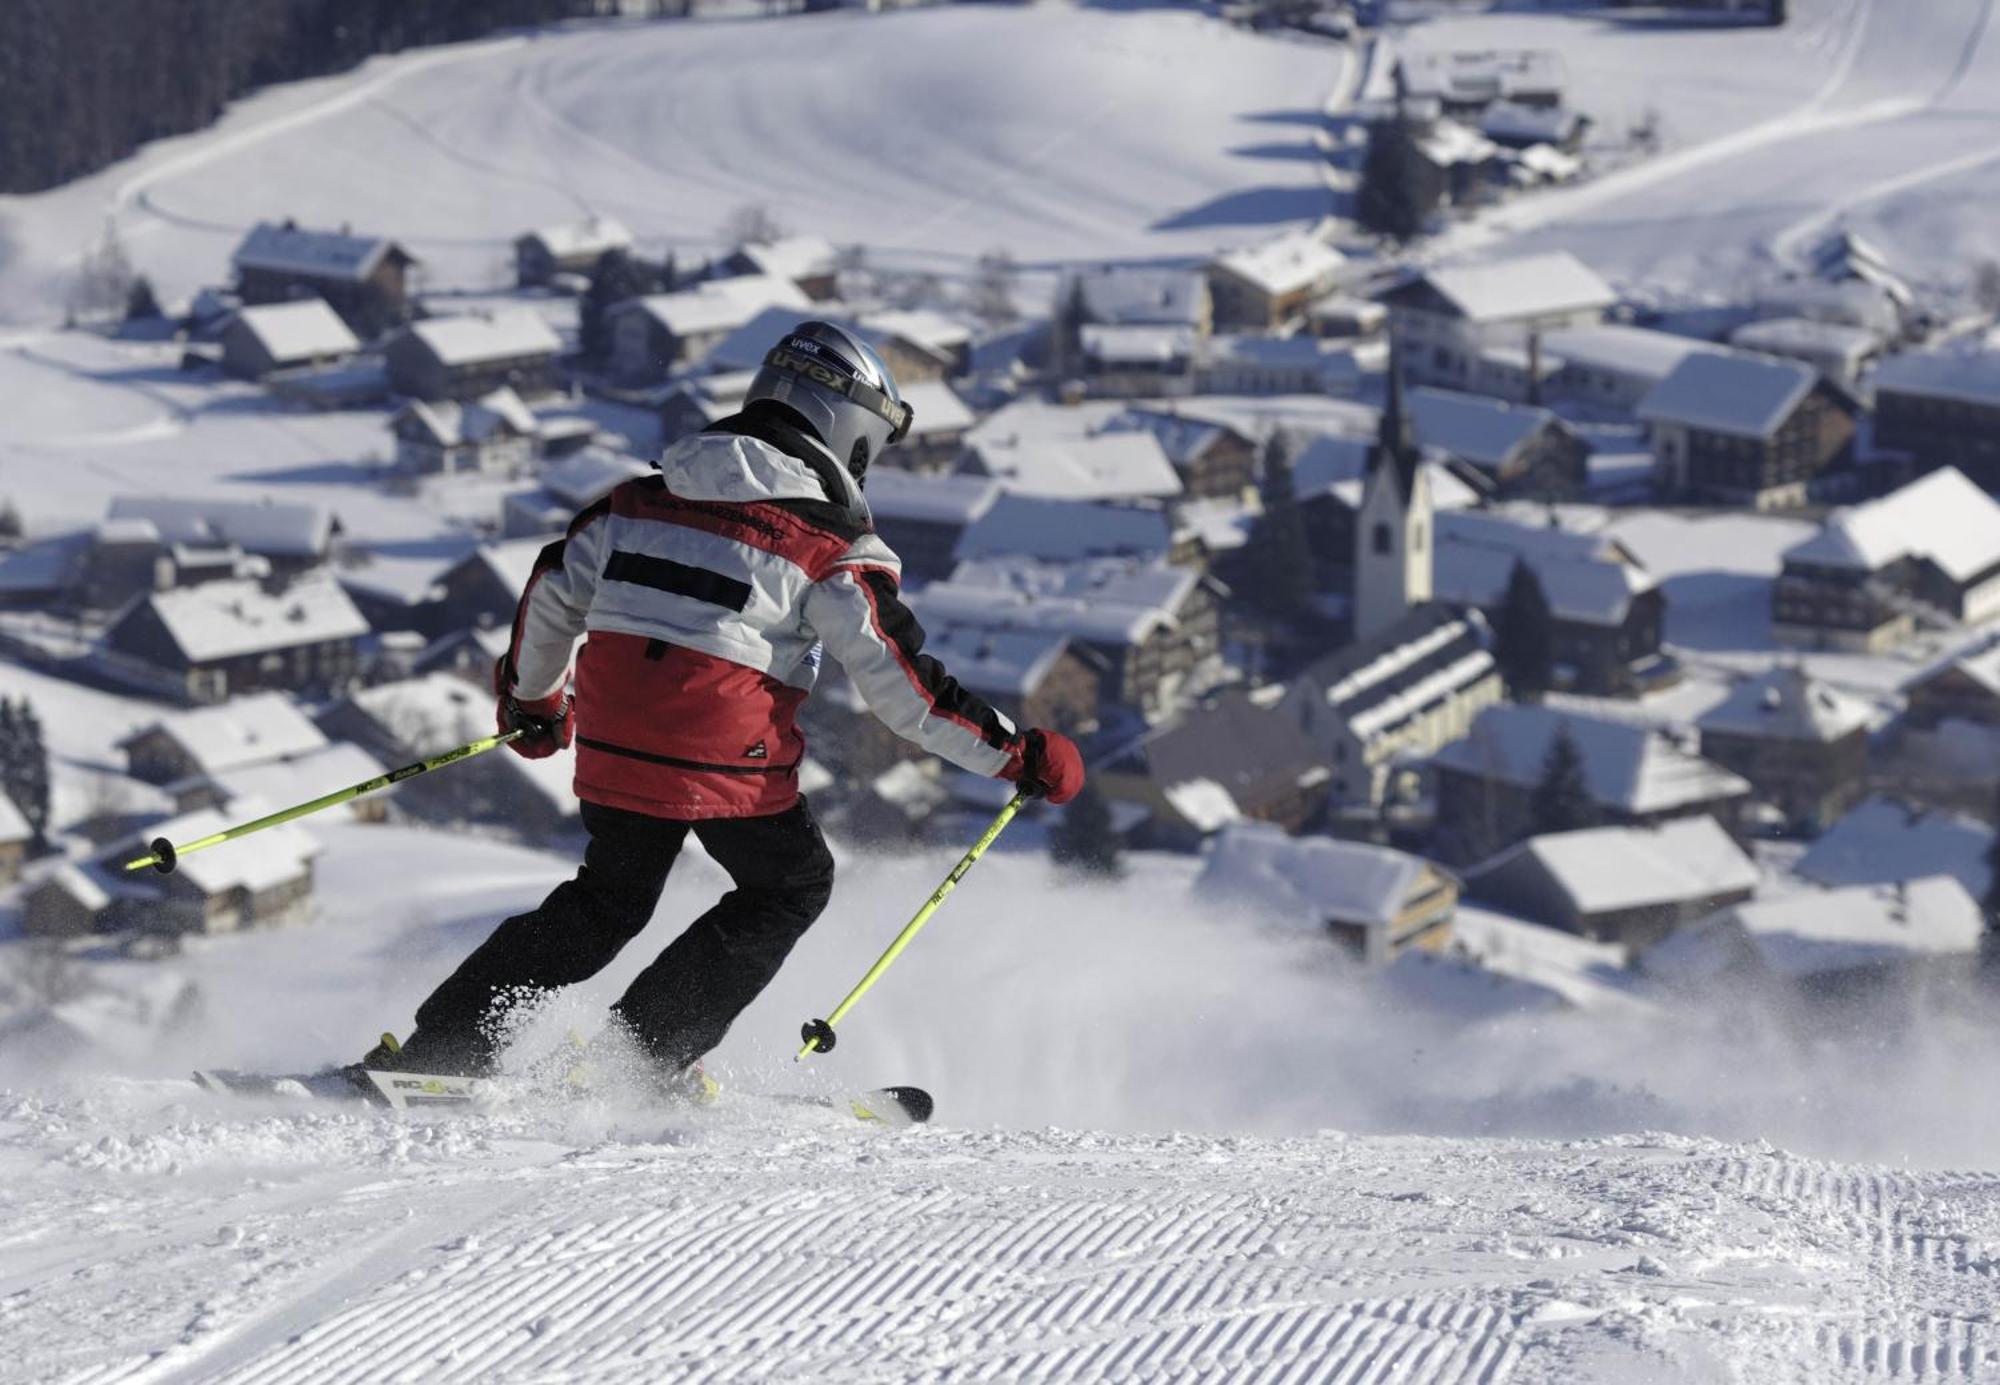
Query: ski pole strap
(819, 1034)
(165, 855)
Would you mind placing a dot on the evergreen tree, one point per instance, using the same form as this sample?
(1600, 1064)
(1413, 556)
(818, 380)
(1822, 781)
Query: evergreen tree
(1399, 189)
(1524, 639)
(992, 299)
(30, 791)
(1561, 800)
(1084, 840)
(1280, 554)
(617, 276)
(140, 303)
(10, 522)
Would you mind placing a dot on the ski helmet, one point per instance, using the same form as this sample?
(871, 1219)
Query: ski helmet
(841, 387)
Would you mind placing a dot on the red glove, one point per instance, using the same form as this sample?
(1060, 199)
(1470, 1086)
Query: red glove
(550, 722)
(1047, 766)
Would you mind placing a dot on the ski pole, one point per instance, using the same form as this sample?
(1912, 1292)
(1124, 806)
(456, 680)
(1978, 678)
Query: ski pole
(818, 1034)
(165, 855)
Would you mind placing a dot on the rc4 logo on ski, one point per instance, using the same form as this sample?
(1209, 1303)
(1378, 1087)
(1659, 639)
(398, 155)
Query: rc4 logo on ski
(756, 752)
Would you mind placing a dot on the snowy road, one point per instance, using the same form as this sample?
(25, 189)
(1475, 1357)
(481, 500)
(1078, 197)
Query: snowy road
(196, 1242)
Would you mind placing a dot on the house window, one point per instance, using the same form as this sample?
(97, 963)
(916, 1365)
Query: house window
(1381, 538)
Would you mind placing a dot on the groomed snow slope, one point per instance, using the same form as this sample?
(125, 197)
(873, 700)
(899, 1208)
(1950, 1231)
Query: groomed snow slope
(1047, 131)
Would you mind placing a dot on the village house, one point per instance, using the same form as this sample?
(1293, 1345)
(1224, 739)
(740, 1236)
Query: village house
(1524, 450)
(291, 537)
(1068, 451)
(1607, 613)
(1471, 327)
(468, 357)
(481, 589)
(1882, 840)
(575, 248)
(1613, 365)
(1374, 901)
(1034, 677)
(922, 517)
(1378, 706)
(1928, 553)
(1064, 531)
(1263, 365)
(1747, 430)
(214, 740)
(1627, 885)
(1215, 460)
(1263, 288)
(284, 336)
(567, 488)
(1850, 303)
(495, 434)
(1516, 125)
(1941, 411)
(1802, 744)
(210, 642)
(1154, 627)
(1965, 687)
(938, 427)
(655, 335)
(1470, 82)
(1633, 775)
(919, 344)
(1158, 316)
(698, 404)
(332, 766)
(363, 278)
(808, 262)
(1844, 257)
(1233, 758)
(269, 885)
(1834, 349)
(116, 561)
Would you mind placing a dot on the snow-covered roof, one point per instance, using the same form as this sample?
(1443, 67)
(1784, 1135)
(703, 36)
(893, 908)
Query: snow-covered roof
(242, 731)
(1626, 350)
(1136, 343)
(1806, 338)
(1824, 932)
(330, 767)
(1110, 601)
(583, 478)
(1982, 666)
(1943, 517)
(279, 855)
(1583, 578)
(279, 530)
(226, 620)
(792, 257)
(1481, 75)
(1515, 123)
(1429, 655)
(1485, 432)
(1309, 881)
(512, 562)
(725, 305)
(1259, 349)
(992, 661)
(437, 711)
(1744, 396)
(1446, 142)
(1857, 301)
(1185, 438)
(1602, 869)
(1969, 377)
(925, 328)
(1039, 448)
(1131, 295)
(592, 236)
(303, 331)
(1064, 530)
(907, 495)
(1234, 753)
(474, 338)
(1297, 262)
(1881, 841)
(1629, 767)
(499, 413)
(291, 249)
(1337, 465)
(1787, 704)
(937, 409)
(1530, 286)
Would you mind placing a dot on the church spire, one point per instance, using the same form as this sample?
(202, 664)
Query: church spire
(1394, 444)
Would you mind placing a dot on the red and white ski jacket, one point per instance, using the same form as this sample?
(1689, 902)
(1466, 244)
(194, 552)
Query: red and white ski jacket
(706, 595)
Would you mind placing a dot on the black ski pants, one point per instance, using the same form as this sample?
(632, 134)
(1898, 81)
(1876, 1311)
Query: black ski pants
(679, 1007)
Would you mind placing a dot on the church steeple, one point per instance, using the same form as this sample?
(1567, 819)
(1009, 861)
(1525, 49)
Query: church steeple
(1395, 446)
(1392, 561)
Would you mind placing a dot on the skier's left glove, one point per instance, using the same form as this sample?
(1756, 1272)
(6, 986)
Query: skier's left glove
(550, 722)
(1047, 765)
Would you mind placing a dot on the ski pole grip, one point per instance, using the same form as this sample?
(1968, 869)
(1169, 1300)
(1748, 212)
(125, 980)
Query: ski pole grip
(818, 1036)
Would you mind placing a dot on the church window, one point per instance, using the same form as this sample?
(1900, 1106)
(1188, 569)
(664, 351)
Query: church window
(1382, 538)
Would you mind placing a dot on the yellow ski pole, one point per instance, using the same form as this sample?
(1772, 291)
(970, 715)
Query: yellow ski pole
(818, 1034)
(165, 855)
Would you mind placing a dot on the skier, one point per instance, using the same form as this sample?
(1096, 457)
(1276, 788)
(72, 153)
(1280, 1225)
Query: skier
(707, 593)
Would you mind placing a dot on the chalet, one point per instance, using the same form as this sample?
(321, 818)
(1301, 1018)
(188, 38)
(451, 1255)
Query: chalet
(291, 537)
(656, 334)
(471, 356)
(1264, 365)
(1942, 411)
(1073, 452)
(1234, 758)
(284, 336)
(1524, 450)
(938, 427)
(1747, 430)
(539, 256)
(1607, 612)
(495, 434)
(922, 516)
(1882, 840)
(1376, 902)
(1062, 531)
(696, 405)
(16, 836)
(1385, 701)
(919, 344)
(1965, 687)
(1862, 943)
(266, 886)
(119, 559)
(1154, 627)
(332, 766)
(1034, 677)
(1802, 744)
(1844, 257)
(214, 740)
(1928, 553)
(1633, 776)
(1174, 305)
(1339, 316)
(210, 642)
(567, 488)
(1834, 349)
(1469, 82)
(404, 721)
(1266, 287)
(808, 262)
(363, 278)
(1122, 361)
(1629, 885)
(484, 587)
(1215, 459)
(1613, 365)
(1460, 327)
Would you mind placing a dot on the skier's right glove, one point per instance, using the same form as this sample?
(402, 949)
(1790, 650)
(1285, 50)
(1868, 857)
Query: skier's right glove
(1047, 766)
(550, 722)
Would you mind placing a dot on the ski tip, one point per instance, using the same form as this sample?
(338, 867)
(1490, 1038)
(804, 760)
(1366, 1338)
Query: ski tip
(894, 1105)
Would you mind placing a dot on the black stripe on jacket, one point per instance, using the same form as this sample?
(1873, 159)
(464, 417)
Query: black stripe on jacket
(899, 626)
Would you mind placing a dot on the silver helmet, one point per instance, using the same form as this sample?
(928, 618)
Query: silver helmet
(836, 382)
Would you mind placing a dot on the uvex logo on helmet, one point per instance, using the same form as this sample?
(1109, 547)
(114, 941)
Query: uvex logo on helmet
(842, 390)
